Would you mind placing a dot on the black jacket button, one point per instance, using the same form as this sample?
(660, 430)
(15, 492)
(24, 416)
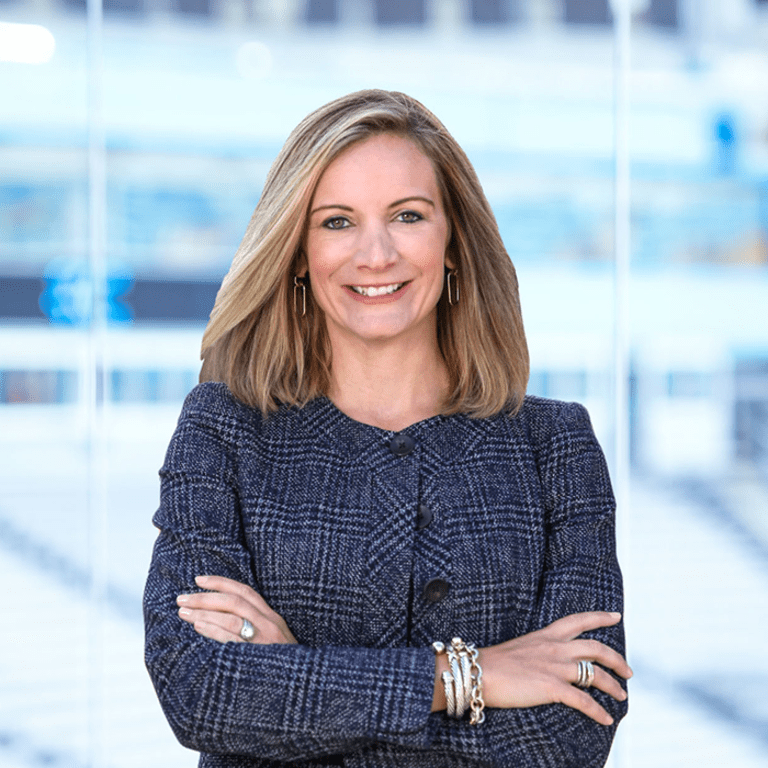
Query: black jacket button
(436, 590)
(424, 516)
(401, 445)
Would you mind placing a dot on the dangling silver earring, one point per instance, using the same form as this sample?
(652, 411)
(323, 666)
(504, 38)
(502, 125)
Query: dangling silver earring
(298, 282)
(453, 291)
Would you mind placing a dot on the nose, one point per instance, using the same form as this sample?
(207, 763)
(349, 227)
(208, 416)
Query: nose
(375, 249)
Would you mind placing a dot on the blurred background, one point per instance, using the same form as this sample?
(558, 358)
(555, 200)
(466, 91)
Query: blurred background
(133, 146)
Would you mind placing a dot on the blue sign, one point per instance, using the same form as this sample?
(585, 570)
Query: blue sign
(67, 298)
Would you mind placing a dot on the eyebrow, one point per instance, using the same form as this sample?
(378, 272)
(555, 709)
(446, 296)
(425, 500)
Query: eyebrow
(413, 197)
(391, 205)
(324, 207)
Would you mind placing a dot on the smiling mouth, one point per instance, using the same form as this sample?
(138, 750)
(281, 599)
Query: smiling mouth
(376, 290)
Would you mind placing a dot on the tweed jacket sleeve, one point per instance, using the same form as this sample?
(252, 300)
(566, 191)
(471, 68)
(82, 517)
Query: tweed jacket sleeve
(580, 573)
(523, 533)
(278, 702)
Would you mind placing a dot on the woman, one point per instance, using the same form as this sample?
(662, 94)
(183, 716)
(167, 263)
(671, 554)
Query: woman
(369, 478)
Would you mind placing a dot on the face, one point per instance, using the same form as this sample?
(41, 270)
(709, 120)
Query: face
(376, 242)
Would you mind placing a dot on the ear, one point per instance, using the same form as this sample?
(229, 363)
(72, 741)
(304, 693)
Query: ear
(448, 259)
(300, 266)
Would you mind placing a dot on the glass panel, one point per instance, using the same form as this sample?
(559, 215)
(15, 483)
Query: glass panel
(194, 115)
(45, 560)
(698, 539)
(587, 11)
(198, 97)
(400, 12)
(322, 11)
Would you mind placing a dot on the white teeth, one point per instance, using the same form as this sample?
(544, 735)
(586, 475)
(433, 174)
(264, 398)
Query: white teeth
(374, 291)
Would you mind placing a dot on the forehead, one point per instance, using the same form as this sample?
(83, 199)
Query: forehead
(381, 162)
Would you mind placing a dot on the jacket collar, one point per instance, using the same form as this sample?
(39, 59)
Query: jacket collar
(449, 437)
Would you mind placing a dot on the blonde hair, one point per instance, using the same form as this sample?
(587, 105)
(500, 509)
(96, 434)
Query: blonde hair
(268, 354)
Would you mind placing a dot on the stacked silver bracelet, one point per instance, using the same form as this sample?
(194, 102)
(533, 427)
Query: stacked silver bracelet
(464, 682)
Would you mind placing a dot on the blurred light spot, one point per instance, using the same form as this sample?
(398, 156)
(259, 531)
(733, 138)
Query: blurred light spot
(254, 60)
(743, 71)
(26, 43)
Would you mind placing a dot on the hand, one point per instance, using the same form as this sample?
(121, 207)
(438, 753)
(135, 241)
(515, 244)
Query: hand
(542, 667)
(219, 613)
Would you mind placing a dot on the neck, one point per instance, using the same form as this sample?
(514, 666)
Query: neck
(389, 385)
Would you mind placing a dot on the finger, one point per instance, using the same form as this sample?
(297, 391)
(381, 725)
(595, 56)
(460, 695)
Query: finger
(608, 684)
(242, 602)
(570, 627)
(577, 699)
(219, 601)
(232, 587)
(219, 610)
(215, 632)
(602, 680)
(227, 622)
(593, 650)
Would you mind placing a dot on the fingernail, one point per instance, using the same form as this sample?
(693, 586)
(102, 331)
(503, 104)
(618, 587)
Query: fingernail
(609, 721)
(201, 579)
(615, 615)
(181, 599)
(185, 612)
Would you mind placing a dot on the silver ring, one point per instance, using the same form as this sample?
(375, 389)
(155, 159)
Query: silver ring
(247, 631)
(590, 675)
(585, 675)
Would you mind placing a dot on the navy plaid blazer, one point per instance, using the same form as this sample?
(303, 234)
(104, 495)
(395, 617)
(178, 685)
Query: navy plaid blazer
(321, 516)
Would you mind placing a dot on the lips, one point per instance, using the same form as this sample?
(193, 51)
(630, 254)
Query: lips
(376, 290)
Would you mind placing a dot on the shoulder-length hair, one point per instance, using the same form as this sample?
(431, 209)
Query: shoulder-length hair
(267, 353)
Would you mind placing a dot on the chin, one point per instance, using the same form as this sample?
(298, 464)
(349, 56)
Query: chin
(378, 336)
(376, 329)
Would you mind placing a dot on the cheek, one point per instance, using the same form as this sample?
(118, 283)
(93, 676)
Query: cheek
(321, 267)
(323, 264)
(323, 258)
(437, 261)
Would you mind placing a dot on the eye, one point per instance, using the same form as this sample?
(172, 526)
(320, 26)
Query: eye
(336, 222)
(409, 217)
